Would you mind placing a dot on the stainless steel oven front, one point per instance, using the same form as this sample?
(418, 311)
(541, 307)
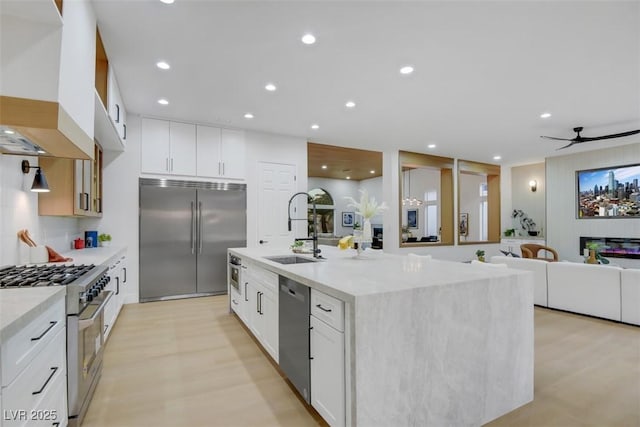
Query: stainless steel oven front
(85, 338)
(235, 268)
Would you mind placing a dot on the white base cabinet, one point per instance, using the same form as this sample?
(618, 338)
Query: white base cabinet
(326, 350)
(258, 307)
(118, 275)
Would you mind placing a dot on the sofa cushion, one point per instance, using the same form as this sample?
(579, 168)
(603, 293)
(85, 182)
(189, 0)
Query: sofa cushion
(539, 269)
(584, 288)
(630, 289)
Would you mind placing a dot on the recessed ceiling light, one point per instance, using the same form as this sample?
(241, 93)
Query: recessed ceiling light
(431, 146)
(407, 69)
(163, 101)
(314, 126)
(8, 132)
(372, 171)
(270, 87)
(308, 39)
(348, 177)
(167, 1)
(163, 65)
(497, 157)
(324, 166)
(41, 151)
(545, 115)
(350, 104)
(248, 116)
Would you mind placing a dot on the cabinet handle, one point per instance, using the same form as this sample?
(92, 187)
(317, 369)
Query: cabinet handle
(56, 424)
(234, 301)
(99, 203)
(262, 242)
(86, 201)
(327, 310)
(117, 113)
(105, 329)
(118, 286)
(51, 325)
(245, 291)
(54, 370)
(258, 302)
(124, 126)
(125, 275)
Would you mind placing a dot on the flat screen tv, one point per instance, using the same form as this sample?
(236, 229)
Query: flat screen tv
(611, 192)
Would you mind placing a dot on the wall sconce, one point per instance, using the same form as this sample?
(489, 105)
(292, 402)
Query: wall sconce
(40, 184)
(533, 185)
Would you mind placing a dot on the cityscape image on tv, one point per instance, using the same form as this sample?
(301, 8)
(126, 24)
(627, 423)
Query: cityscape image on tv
(609, 192)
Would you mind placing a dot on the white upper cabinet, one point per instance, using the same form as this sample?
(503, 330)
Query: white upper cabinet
(232, 153)
(182, 143)
(208, 162)
(116, 109)
(221, 153)
(155, 146)
(168, 147)
(192, 150)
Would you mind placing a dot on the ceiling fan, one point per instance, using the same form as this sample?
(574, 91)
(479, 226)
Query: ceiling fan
(579, 138)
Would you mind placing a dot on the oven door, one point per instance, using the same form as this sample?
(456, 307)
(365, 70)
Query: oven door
(234, 276)
(85, 355)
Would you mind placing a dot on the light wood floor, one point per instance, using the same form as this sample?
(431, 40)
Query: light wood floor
(190, 363)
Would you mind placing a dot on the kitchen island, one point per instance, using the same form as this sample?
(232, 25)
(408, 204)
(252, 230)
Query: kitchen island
(427, 342)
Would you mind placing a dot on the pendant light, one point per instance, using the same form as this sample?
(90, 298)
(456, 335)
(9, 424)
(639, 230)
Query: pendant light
(40, 184)
(410, 201)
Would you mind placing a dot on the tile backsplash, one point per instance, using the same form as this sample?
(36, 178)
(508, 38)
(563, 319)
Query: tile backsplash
(19, 210)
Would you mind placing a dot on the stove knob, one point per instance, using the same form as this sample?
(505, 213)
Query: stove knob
(95, 292)
(83, 298)
(89, 297)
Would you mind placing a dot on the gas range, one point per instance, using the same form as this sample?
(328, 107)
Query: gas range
(84, 282)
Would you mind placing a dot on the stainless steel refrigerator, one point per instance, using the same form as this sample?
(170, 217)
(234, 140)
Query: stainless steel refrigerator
(185, 230)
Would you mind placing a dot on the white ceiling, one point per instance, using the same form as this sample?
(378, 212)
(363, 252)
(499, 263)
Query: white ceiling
(484, 71)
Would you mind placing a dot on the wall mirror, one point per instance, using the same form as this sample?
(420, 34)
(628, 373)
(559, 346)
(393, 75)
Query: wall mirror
(426, 200)
(478, 202)
(340, 172)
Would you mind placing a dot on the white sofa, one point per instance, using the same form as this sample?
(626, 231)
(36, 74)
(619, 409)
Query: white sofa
(539, 269)
(585, 288)
(596, 290)
(630, 293)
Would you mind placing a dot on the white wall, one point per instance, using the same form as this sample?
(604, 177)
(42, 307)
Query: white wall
(531, 203)
(19, 210)
(563, 228)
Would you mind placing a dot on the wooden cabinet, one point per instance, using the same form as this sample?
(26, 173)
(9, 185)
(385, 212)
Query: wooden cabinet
(33, 363)
(76, 186)
(192, 150)
(168, 147)
(326, 348)
(221, 153)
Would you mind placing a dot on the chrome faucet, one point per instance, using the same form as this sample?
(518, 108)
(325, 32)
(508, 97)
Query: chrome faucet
(314, 238)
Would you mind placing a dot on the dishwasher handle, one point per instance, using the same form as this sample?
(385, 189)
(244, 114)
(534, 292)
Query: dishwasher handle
(291, 292)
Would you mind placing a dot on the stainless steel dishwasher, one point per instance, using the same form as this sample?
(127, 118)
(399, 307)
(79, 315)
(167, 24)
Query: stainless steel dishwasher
(294, 334)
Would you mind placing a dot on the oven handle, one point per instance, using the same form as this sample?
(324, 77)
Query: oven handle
(85, 323)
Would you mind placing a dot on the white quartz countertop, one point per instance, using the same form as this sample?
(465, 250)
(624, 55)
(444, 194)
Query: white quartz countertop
(97, 256)
(20, 306)
(347, 277)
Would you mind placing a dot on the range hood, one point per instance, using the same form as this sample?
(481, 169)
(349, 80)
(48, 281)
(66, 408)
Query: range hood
(41, 128)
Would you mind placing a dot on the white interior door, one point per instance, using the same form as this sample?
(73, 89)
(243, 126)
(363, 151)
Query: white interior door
(277, 185)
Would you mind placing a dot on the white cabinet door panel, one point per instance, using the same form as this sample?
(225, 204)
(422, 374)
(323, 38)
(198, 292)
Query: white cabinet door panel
(155, 146)
(182, 137)
(232, 153)
(208, 163)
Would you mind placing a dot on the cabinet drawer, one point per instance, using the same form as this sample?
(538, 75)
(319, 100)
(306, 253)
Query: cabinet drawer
(328, 309)
(22, 348)
(35, 385)
(267, 278)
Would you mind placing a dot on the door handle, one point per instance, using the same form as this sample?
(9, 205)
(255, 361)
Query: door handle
(193, 229)
(262, 242)
(200, 228)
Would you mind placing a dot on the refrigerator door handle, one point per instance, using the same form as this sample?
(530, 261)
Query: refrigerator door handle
(200, 228)
(193, 229)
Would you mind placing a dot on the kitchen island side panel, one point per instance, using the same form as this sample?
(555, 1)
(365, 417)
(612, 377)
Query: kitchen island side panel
(455, 355)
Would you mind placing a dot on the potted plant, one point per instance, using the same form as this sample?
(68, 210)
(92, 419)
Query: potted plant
(594, 254)
(480, 255)
(104, 239)
(298, 246)
(509, 232)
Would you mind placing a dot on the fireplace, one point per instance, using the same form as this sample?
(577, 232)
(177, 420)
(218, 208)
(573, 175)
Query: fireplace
(614, 247)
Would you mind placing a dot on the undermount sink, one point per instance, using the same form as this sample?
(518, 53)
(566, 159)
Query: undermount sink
(290, 259)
